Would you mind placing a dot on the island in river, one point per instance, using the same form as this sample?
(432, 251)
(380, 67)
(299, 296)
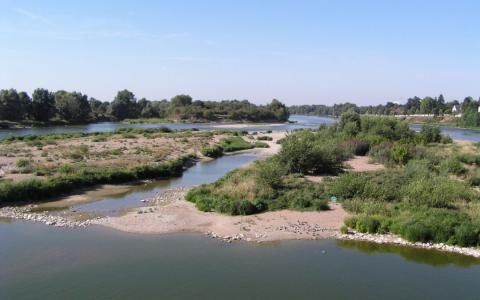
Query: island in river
(280, 224)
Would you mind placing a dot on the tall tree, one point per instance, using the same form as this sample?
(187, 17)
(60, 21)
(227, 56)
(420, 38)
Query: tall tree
(43, 105)
(10, 108)
(72, 107)
(181, 100)
(124, 105)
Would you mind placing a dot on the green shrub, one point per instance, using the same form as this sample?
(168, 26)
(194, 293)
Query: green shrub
(469, 159)
(66, 169)
(416, 232)
(435, 191)
(261, 145)
(344, 229)
(265, 138)
(466, 235)
(269, 173)
(368, 224)
(351, 222)
(400, 154)
(452, 166)
(309, 153)
(474, 181)
(321, 205)
(235, 143)
(356, 147)
(429, 134)
(214, 152)
(23, 163)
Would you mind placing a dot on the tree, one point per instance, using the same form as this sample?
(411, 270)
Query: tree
(43, 105)
(441, 105)
(72, 107)
(181, 100)
(99, 109)
(427, 105)
(350, 123)
(124, 105)
(25, 103)
(10, 107)
(279, 110)
(413, 105)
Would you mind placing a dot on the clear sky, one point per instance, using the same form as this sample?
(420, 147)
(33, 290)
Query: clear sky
(301, 52)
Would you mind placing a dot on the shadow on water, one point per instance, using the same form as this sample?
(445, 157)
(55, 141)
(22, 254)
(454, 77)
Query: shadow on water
(424, 256)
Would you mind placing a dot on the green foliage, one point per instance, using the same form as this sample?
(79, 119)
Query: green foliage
(22, 163)
(235, 143)
(452, 166)
(309, 152)
(263, 187)
(366, 224)
(356, 147)
(350, 123)
(72, 107)
(432, 134)
(214, 151)
(400, 154)
(414, 202)
(436, 191)
(35, 190)
(265, 138)
(124, 105)
(43, 105)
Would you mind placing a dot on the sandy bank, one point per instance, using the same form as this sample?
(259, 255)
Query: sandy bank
(246, 125)
(170, 213)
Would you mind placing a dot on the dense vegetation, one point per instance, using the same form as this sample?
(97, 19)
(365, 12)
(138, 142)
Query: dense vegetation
(426, 193)
(435, 106)
(74, 107)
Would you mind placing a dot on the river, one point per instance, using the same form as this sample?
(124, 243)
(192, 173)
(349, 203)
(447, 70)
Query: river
(43, 262)
(299, 122)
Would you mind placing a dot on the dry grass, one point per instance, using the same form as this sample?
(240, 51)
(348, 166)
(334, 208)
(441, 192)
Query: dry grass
(123, 150)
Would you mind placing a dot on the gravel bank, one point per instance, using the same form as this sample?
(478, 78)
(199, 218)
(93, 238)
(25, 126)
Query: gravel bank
(25, 213)
(393, 239)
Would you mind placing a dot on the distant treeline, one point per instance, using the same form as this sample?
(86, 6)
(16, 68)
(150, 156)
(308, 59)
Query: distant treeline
(45, 106)
(436, 106)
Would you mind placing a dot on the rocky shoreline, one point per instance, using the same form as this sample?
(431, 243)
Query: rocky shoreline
(395, 240)
(295, 230)
(25, 213)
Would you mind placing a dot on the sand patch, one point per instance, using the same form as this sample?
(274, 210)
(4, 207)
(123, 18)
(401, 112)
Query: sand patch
(173, 214)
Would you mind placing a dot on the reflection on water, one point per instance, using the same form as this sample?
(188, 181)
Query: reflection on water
(424, 256)
(41, 262)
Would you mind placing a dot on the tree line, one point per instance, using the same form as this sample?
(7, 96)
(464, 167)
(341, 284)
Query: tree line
(435, 106)
(45, 106)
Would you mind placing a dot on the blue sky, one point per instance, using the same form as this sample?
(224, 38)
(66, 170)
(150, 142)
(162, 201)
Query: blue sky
(301, 52)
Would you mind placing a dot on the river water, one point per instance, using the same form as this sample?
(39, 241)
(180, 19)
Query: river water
(299, 121)
(42, 262)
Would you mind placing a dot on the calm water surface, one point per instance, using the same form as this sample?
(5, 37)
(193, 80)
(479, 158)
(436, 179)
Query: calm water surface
(40, 262)
(300, 122)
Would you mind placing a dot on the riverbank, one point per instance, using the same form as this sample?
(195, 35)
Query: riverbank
(395, 240)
